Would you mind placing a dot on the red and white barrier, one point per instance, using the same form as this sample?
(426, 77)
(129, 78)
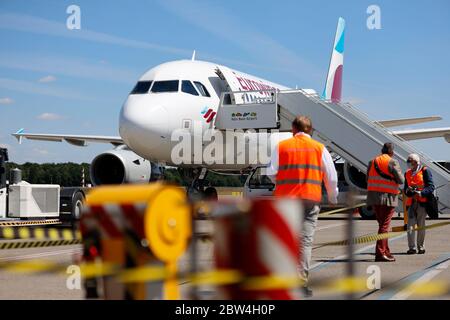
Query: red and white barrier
(263, 244)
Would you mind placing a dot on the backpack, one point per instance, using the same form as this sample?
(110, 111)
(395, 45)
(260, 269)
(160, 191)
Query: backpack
(432, 206)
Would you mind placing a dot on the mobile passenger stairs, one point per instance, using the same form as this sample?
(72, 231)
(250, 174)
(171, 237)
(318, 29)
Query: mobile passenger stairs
(339, 126)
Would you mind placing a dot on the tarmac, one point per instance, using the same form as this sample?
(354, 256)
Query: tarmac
(427, 272)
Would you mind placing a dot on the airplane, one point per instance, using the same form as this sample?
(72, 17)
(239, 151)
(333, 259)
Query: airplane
(179, 94)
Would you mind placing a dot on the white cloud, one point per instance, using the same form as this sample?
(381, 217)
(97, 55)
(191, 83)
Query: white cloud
(48, 116)
(34, 88)
(47, 79)
(41, 152)
(6, 100)
(205, 14)
(67, 66)
(88, 124)
(27, 23)
(354, 100)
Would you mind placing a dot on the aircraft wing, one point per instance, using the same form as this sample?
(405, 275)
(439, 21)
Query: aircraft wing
(82, 140)
(77, 140)
(418, 134)
(407, 121)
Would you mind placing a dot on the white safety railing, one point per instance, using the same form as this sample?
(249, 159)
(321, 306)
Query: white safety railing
(247, 97)
(271, 96)
(377, 126)
(348, 114)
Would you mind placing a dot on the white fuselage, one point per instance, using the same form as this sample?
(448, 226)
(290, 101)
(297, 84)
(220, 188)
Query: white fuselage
(155, 109)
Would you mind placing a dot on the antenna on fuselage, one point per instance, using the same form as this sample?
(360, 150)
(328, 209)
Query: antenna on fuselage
(193, 56)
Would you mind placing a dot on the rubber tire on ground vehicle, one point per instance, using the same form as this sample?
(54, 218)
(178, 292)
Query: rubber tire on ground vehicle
(367, 214)
(77, 206)
(210, 194)
(433, 216)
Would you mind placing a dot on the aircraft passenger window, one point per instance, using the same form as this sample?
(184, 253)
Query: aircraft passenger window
(165, 86)
(141, 87)
(187, 87)
(202, 89)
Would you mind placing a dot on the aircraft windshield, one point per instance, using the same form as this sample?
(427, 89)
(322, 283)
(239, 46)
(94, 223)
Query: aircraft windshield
(188, 87)
(165, 86)
(141, 87)
(202, 89)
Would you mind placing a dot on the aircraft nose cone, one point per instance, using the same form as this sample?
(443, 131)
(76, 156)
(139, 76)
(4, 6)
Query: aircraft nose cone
(143, 126)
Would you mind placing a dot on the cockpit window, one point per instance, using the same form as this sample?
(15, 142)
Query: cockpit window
(187, 87)
(202, 89)
(141, 87)
(165, 86)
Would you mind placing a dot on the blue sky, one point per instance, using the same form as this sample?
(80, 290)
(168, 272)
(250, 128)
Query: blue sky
(54, 80)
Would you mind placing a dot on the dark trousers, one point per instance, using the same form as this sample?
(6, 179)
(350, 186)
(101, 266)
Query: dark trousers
(384, 215)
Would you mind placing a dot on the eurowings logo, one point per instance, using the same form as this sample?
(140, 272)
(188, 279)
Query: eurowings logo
(208, 114)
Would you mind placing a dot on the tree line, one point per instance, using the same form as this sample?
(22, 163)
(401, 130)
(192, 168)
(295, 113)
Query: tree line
(65, 174)
(70, 174)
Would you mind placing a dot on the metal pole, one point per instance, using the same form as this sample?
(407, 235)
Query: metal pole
(82, 177)
(194, 255)
(350, 247)
(350, 252)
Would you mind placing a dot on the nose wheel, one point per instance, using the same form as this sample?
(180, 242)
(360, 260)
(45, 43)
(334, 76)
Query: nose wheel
(199, 188)
(210, 194)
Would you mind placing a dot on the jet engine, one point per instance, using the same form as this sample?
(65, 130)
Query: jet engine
(119, 166)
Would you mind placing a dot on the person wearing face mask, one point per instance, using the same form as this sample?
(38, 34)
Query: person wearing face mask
(384, 177)
(418, 187)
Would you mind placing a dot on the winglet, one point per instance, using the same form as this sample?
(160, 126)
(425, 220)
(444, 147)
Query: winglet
(193, 56)
(18, 135)
(333, 84)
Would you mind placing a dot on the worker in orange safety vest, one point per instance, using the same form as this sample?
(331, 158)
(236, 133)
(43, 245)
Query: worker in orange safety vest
(299, 166)
(419, 185)
(383, 179)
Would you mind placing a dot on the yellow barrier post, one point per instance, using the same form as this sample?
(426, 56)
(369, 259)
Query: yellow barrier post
(405, 215)
(153, 224)
(168, 229)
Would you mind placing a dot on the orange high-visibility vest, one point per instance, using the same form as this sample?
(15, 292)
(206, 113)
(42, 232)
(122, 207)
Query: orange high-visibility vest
(415, 181)
(300, 171)
(378, 183)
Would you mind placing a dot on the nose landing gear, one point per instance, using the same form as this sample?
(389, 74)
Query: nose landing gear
(198, 187)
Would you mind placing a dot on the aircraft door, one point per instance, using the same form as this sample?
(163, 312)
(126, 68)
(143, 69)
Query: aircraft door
(232, 84)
